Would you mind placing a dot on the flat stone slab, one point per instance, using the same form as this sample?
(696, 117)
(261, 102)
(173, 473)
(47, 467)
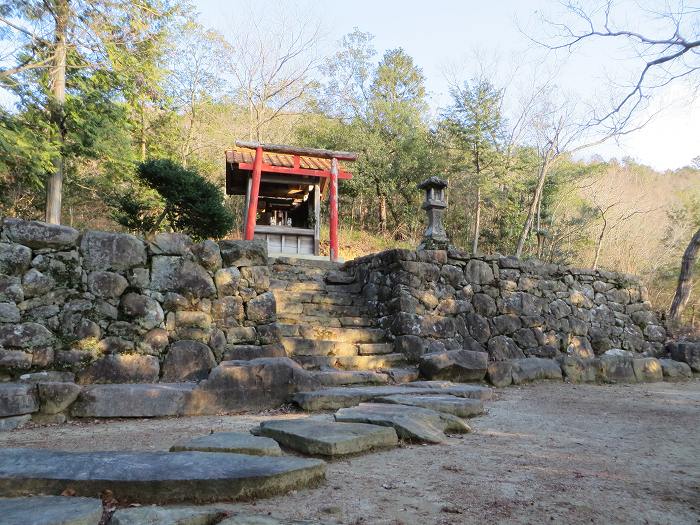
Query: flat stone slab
(168, 516)
(453, 389)
(231, 442)
(134, 400)
(50, 510)
(329, 438)
(154, 477)
(410, 422)
(457, 406)
(342, 397)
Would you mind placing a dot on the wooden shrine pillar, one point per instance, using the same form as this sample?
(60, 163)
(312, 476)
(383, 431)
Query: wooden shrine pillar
(334, 209)
(253, 195)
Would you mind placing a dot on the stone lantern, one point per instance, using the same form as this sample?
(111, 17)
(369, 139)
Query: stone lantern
(434, 205)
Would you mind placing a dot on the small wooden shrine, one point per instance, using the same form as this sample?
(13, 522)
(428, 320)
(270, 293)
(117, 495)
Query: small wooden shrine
(283, 188)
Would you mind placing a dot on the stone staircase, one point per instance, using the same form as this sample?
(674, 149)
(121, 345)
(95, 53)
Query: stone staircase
(325, 325)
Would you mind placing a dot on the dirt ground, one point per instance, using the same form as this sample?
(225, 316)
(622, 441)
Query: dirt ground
(547, 453)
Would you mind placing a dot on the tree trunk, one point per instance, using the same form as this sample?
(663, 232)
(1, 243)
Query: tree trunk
(684, 278)
(533, 209)
(382, 213)
(599, 244)
(142, 135)
(477, 221)
(54, 184)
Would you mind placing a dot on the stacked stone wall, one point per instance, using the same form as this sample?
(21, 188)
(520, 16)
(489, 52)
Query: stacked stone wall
(434, 301)
(113, 308)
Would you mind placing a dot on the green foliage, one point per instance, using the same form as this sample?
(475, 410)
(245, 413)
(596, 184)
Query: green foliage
(179, 199)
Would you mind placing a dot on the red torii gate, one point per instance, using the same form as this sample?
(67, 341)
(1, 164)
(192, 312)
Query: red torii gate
(259, 166)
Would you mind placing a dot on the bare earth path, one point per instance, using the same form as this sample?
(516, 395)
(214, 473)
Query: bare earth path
(549, 453)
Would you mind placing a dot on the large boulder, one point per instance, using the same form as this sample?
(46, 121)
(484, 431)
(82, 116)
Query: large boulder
(175, 274)
(615, 369)
(243, 253)
(187, 361)
(478, 272)
(208, 254)
(647, 370)
(121, 368)
(500, 373)
(165, 243)
(503, 348)
(535, 369)
(675, 370)
(262, 309)
(111, 251)
(109, 285)
(142, 310)
(455, 365)
(17, 399)
(577, 370)
(686, 352)
(40, 235)
(25, 335)
(14, 258)
(55, 397)
(253, 385)
(227, 281)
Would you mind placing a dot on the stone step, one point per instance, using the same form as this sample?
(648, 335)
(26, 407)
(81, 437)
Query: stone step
(335, 377)
(375, 348)
(356, 362)
(154, 477)
(334, 398)
(49, 510)
(346, 335)
(301, 319)
(301, 346)
(285, 298)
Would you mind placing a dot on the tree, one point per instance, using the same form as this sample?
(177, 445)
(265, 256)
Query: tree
(666, 57)
(195, 82)
(684, 287)
(178, 198)
(52, 38)
(474, 120)
(272, 62)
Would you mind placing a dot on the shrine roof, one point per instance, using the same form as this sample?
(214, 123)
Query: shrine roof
(239, 155)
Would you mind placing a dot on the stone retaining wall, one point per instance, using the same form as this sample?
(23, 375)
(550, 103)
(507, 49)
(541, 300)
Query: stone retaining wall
(434, 301)
(114, 308)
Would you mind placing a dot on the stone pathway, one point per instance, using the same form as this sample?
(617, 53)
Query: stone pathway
(227, 466)
(327, 438)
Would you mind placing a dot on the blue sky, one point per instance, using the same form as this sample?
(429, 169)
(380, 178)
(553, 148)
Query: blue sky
(444, 34)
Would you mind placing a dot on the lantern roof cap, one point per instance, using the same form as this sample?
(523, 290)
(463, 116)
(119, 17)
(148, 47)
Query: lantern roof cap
(433, 182)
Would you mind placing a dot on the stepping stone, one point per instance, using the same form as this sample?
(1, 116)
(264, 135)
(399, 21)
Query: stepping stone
(339, 397)
(328, 438)
(168, 516)
(410, 422)
(257, 519)
(457, 406)
(154, 477)
(50, 510)
(453, 389)
(231, 442)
